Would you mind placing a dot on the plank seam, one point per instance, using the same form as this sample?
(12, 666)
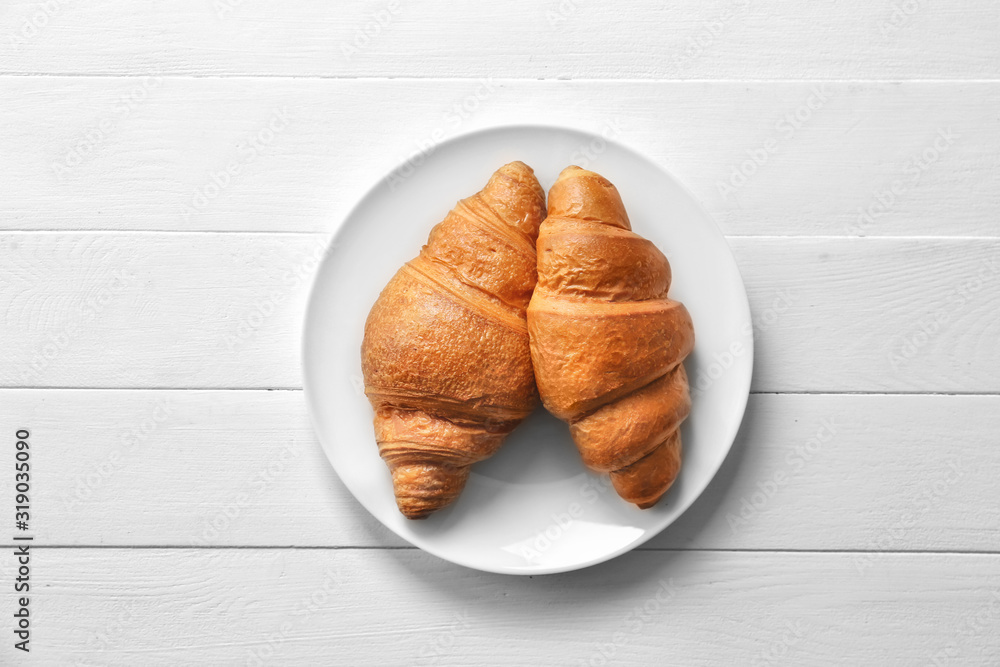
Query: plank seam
(559, 79)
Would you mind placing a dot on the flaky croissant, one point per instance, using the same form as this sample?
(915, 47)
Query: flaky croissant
(606, 343)
(445, 355)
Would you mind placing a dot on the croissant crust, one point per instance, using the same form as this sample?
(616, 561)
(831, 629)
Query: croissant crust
(607, 344)
(445, 356)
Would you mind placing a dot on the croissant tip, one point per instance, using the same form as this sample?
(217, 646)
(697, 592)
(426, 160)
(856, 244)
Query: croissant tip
(517, 164)
(572, 170)
(416, 514)
(516, 167)
(586, 195)
(643, 498)
(418, 508)
(423, 488)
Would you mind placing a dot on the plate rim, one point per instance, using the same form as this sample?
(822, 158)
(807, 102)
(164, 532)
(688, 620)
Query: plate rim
(732, 432)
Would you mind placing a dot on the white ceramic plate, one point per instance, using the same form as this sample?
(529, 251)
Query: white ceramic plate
(533, 508)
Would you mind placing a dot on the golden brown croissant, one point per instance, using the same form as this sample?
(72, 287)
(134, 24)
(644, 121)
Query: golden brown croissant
(606, 342)
(445, 356)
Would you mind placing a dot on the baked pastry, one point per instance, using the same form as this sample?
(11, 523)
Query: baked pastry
(606, 343)
(445, 355)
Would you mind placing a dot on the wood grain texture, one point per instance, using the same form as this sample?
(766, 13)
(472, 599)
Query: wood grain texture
(745, 39)
(346, 607)
(234, 154)
(226, 468)
(167, 310)
(171, 177)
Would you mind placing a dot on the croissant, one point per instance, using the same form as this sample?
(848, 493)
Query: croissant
(606, 343)
(445, 356)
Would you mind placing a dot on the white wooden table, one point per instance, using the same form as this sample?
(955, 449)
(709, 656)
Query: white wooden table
(172, 172)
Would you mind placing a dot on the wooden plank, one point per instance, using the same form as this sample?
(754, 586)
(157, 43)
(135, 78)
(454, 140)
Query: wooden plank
(555, 39)
(167, 153)
(172, 310)
(190, 468)
(243, 468)
(871, 473)
(376, 607)
(155, 310)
